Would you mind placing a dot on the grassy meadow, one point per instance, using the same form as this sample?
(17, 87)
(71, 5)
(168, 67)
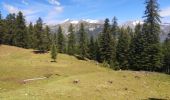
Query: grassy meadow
(73, 79)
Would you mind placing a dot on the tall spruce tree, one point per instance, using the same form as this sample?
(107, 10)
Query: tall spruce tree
(60, 40)
(55, 38)
(71, 41)
(31, 35)
(114, 30)
(10, 28)
(122, 49)
(1, 29)
(136, 49)
(0, 16)
(83, 49)
(115, 27)
(40, 35)
(130, 32)
(21, 36)
(167, 54)
(107, 51)
(152, 30)
(47, 38)
(53, 52)
(92, 52)
(97, 50)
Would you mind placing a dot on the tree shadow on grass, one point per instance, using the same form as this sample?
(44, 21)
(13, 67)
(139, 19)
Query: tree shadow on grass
(154, 99)
(54, 61)
(39, 52)
(80, 58)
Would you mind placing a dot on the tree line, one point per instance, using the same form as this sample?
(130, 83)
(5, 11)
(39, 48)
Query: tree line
(117, 47)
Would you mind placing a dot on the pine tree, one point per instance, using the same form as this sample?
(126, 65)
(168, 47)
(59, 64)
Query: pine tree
(152, 19)
(20, 38)
(152, 30)
(71, 41)
(97, 51)
(0, 16)
(130, 32)
(83, 49)
(60, 40)
(167, 54)
(115, 31)
(92, 48)
(38, 29)
(9, 30)
(40, 35)
(55, 38)
(106, 26)
(115, 27)
(107, 43)
(1, 29)
(122, 49)
(47, 38)
(136, 49)
(31, 36)
(53, 52)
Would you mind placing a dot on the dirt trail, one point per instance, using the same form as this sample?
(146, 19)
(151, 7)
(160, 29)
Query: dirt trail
(34, 79)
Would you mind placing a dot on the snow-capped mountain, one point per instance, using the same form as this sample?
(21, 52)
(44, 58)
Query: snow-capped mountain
(165, 27)
(137, 22)
(82, 20)
(92, 21)
(131, 24)
(94, 27)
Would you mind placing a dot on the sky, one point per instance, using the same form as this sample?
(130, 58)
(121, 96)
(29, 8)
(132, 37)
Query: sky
(56, 11)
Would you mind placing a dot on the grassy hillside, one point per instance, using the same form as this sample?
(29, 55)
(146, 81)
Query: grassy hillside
(72, 79)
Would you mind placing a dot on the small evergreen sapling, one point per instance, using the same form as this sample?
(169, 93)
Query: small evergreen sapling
(54, 52)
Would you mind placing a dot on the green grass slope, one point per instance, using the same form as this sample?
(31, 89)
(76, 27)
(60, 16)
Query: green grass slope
(92, 82)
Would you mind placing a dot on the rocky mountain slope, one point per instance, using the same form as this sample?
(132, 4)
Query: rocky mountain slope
(94, 27)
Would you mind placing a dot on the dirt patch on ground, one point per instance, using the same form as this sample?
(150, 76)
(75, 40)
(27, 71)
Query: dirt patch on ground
(141, 73)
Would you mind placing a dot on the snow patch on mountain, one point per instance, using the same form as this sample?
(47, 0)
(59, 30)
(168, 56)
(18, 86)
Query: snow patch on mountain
(92, 29)
(66, 20)
(137, 22)
(91, 21)
(74, 22)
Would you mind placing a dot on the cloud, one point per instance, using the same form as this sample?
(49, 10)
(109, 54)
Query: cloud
(49, 13)
(52, 16)
(13, 9)
(165, 12)
(53, 22)
(54, 2)
(30, 14)
(10, 8)
(58, 9)
(53, 13)
(25, 2)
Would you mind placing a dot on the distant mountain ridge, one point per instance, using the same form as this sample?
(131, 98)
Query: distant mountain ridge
(94, 27)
